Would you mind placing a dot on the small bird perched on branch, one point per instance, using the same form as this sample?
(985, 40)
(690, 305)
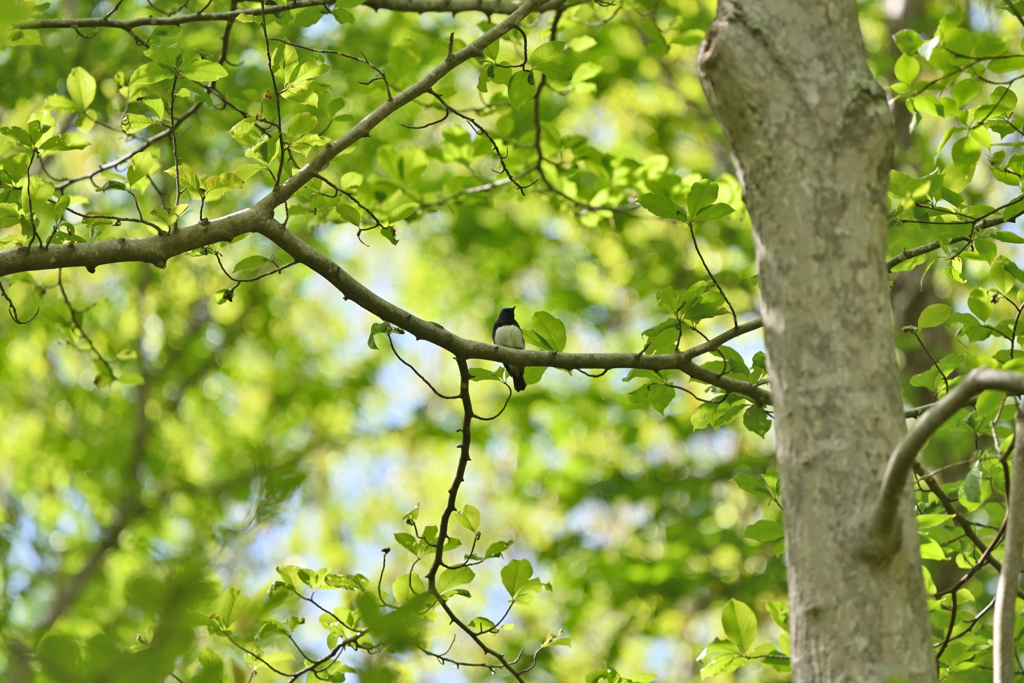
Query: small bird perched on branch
(506, 332)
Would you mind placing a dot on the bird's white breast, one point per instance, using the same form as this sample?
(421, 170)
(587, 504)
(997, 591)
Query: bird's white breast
(509, 335)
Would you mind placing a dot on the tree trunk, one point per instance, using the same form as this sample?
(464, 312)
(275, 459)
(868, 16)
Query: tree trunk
(812, 139)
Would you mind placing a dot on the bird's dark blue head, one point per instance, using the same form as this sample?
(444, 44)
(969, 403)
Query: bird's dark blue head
(506, 317)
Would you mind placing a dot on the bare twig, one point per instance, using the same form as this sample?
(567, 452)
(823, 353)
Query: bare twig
(711, 275)
(13, 310)
(410, 366)
(277, 99)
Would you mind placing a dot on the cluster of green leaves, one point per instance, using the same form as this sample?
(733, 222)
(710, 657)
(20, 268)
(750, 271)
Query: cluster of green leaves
(368, 619)
(739, 623)
(957, 610)
(740, 627)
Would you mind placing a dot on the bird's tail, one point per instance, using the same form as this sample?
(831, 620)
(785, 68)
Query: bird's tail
(518, 382)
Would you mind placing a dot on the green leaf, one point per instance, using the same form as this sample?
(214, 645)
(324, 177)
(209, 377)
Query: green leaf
(401, 212)
(989, 404)
(9, 215)
(764, 530)
(703, 193)
(548, 332)
(250, 262)
(1002, 236)
(203, 70)
(65, 142)
(779, 612)
(980, 304)
(520, 89)
(757, 421)
(81, 88)
(970, 491)
(907, 68)
(933, 316)
(409, 542)
(931, 550)
(547, 52)
(515, 575)
(739, 624)
(714, 212)
(271, 627)
(722, 664)
(660, 396)
(133, 123)
(986, 249)
(217, 185)
(469, 518)
(404, 588)
(965, 90)
(966, 152)
(660, 205)
(147, 74)
(301, 123)
(142, 164)
(246, 171)
(451, 578)
(497, 548)
(348, 213)
(932, 520)
(1000, 277)
(230, 606)
(157, 105)
(908, 41)
(40, 190)
(19, 135)
(351, 181)
(382, 328)
(245, 131)
(186, 176)
(491, 50)
(752, 485)
(558, 70)
(163, 54)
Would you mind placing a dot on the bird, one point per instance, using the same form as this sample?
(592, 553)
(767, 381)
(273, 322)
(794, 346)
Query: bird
(506, 332)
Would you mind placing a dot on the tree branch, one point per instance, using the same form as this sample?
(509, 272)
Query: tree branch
(157, 249)
(450, 6)
(362, 129)
(958, 518)
(425, 330)
(882, 536)
(154, 250)
(442, 531)
(92, 254)
(1003, 656)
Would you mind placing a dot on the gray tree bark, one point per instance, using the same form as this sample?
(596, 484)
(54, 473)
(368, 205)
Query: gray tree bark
(812, 138)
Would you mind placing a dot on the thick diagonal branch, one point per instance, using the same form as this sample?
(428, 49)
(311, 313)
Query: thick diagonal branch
(882, 535)
(468, 349)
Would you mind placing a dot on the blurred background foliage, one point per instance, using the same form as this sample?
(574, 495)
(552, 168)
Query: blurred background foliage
(158, 447)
